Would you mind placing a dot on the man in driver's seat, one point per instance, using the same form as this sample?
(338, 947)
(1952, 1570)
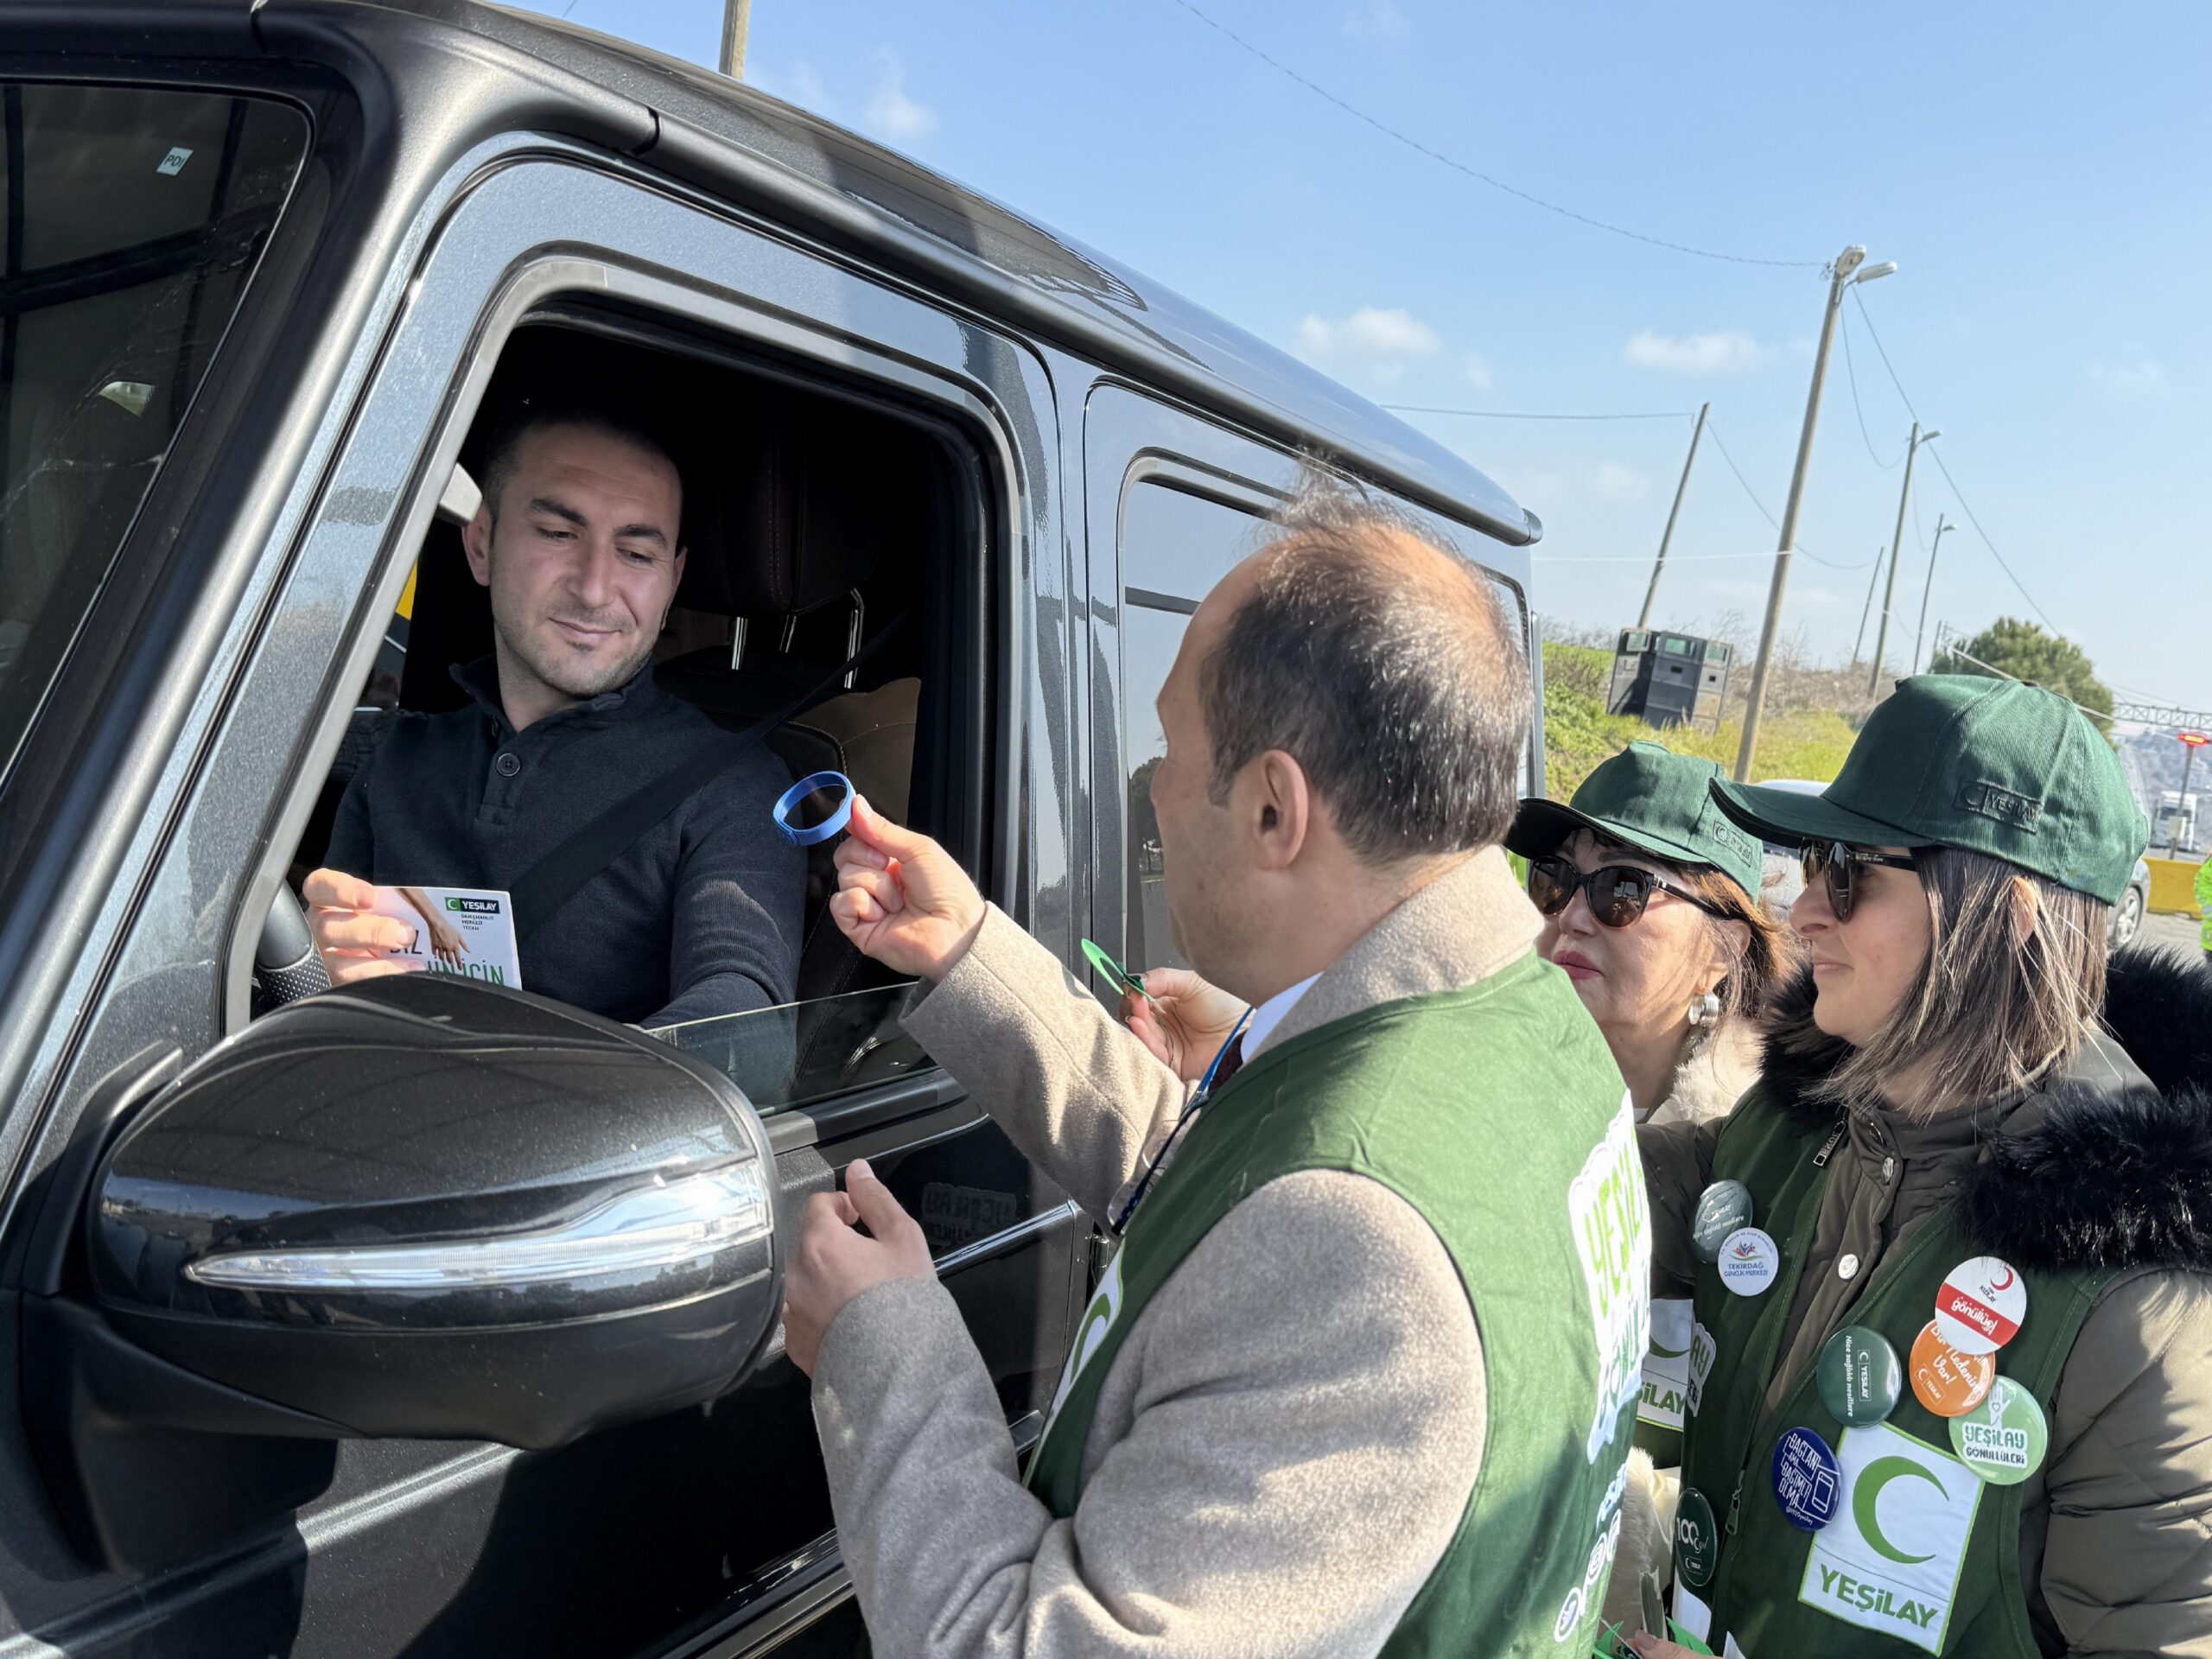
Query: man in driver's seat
(579, 541)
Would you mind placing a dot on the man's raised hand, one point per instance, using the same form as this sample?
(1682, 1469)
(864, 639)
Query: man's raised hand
(1185, 1020)
(900, 898)
(349, 937)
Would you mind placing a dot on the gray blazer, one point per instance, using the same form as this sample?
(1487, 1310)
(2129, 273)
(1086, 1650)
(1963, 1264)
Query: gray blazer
(1288, 1437)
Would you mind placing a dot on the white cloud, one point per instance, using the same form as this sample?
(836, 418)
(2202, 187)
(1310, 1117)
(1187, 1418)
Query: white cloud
(2138, 376)
(1375, 20)
(801, 85)
(1711, 354)
(1478, 374)
(1371, 343)
(1615, 482)
(891, 113)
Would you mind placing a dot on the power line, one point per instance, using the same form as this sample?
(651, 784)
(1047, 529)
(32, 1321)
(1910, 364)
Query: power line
(1965, 506)
(1478, 174)
(1740, 478)
(1527, 415)
(1851, 372)
(1543, 560)
(1770, 518)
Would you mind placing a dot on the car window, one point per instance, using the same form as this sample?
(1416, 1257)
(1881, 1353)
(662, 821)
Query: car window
(132, 219)
(1175, 546)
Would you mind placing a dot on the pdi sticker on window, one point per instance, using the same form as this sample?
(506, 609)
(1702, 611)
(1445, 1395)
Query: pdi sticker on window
(173, 163)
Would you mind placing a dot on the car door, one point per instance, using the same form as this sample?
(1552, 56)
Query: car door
(702, 1531)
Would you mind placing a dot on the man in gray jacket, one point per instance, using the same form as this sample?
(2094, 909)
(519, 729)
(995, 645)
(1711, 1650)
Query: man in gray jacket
(1361, 1375)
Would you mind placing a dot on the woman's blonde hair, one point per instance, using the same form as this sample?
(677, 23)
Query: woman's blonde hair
(1996, 1014)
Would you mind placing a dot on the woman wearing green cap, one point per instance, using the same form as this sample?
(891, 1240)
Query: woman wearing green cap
(1649, 897)
(1950, 1379)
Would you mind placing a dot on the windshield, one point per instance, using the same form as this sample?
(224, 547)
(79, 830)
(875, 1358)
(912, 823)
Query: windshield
(129, 218)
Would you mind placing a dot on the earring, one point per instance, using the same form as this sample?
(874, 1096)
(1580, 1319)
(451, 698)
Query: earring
(1705, 1010)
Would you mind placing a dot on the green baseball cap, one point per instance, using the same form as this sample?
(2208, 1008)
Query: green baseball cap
(1653, 800)
(1994, 766)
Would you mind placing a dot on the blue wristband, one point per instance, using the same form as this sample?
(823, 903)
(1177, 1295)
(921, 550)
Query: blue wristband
(830, 826)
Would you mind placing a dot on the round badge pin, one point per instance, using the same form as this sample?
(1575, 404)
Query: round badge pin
(1807, 1481)
(2004, 1439)
(1749, 1261)
(1950, 1383)
(1697, 1540)
(1860, 1380)
(1981, 1304)
(1721, 1209)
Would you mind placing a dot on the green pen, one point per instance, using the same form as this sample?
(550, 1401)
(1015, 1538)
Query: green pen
(1116, 975)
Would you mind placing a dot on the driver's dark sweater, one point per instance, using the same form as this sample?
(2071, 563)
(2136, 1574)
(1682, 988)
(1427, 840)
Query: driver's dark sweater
(700, 916)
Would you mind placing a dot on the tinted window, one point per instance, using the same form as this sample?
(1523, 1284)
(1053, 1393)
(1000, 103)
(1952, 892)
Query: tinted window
(1175, 546)
(131, 218)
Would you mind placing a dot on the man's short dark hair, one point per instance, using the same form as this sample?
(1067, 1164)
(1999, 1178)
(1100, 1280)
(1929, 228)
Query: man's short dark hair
(1382, 662)
(535, 412)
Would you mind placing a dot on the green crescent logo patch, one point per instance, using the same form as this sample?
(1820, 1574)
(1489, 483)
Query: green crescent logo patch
(1876, 1475)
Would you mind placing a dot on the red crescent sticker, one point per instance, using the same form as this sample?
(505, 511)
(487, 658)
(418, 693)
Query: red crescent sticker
(1980, 1305)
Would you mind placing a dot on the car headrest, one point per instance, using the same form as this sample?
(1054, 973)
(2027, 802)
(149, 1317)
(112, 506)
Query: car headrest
(802, 508)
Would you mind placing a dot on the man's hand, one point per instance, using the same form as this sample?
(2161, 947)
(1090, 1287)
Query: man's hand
(834, 1262)
(1187, 1024)
(901, 899)
(1647, 1646)
(351, 940)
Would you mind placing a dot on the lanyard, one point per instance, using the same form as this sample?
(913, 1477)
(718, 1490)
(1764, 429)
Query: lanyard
(1120, 1224)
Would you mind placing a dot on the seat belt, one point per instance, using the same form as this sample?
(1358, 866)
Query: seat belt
(541, 890)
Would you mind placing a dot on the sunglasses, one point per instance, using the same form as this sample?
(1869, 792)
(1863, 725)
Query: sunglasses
(1839, 865)
(1617, 892)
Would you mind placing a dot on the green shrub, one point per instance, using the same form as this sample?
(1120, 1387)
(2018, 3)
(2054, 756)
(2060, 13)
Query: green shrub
(1579, 733)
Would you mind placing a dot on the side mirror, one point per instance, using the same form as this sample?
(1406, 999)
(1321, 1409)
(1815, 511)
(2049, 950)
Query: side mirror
(417, 1207)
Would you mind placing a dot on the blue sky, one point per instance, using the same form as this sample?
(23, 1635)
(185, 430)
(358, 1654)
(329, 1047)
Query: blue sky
(2042, 185)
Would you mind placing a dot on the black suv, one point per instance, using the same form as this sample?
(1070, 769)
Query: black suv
(423, 1317)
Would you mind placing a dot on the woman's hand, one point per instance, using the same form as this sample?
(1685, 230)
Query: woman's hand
(901, 898)
(1186, 1022)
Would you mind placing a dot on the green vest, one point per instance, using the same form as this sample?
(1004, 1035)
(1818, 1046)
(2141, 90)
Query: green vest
(1495, 1111)
(1922, 1556)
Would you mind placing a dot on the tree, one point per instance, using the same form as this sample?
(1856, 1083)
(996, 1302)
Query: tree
(2027, 653)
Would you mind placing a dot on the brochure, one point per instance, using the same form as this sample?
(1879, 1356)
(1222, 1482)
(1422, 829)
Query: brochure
(464, 931)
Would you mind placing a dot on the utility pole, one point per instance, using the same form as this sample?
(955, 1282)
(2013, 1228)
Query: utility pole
(1897, 541)
(737, 20)
(1936, 547)
(1643, 617)
(1867, 609)
(1842, 275)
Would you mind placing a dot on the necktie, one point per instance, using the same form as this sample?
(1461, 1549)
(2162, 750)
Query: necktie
(1231, 1063)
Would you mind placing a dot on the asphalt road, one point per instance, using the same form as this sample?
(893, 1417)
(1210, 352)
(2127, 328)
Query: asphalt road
(2182, 930)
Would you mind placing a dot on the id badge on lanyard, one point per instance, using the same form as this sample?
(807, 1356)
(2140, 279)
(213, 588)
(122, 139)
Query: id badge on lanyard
(1120, 1223)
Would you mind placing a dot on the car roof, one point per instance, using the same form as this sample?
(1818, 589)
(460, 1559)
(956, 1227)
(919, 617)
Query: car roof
(528, 73)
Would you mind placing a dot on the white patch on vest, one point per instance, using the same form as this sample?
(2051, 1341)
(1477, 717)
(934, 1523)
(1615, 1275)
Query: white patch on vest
(1667, 1367)
(1891, 1560)
(1097, 1321)
(1704, 1350)
(1612, 1220)
(1570, 1615)
(1729, 1650)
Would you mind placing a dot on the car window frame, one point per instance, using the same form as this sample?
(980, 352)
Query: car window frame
(367, 508)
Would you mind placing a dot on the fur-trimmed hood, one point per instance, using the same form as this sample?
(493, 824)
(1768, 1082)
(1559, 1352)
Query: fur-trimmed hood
(2114, 1170)
(1712, 1077)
